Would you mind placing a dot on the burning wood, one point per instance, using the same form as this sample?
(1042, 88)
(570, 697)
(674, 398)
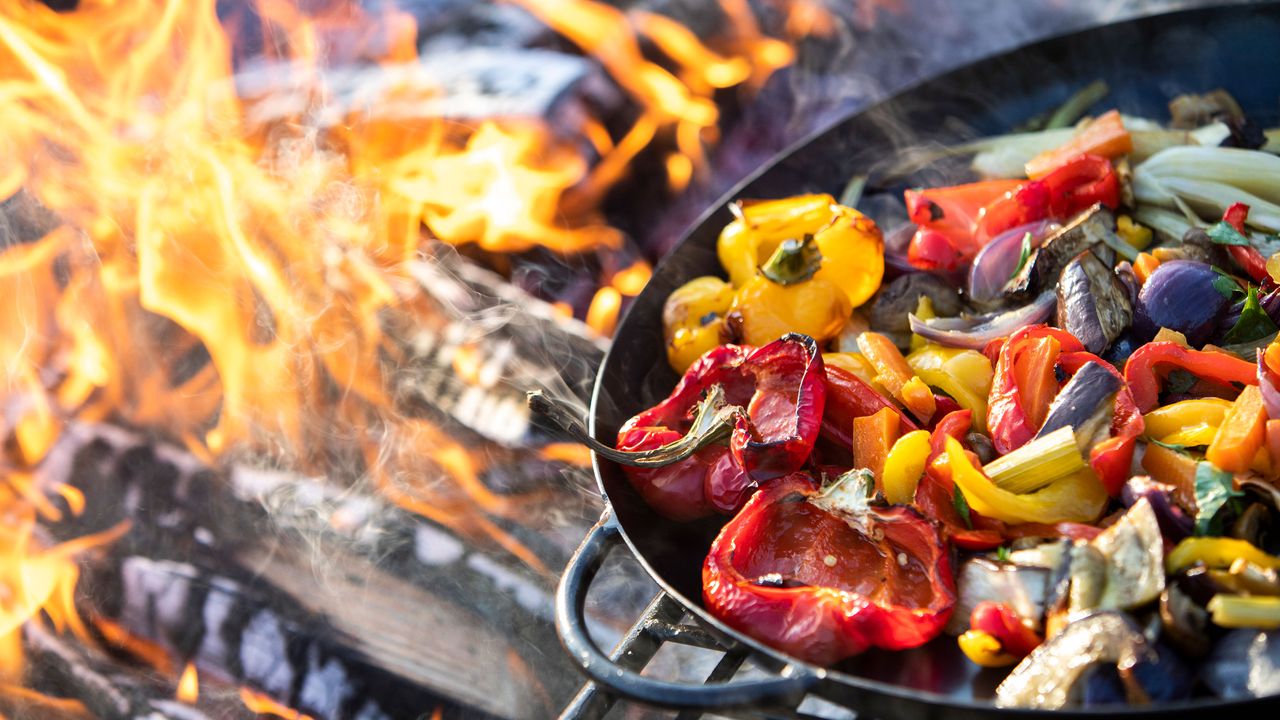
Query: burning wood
(255, 270)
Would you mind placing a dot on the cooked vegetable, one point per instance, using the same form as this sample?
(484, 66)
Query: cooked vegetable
(904, 466)
(1244, 664)
(822, 576)
(1216, 552)
(1235, 611)
(786, 295)
(1180, 295)
(1104, 136)
(1078, 498)
(692, 319)
(1093, 304)
(976, 332)
(1046, 678)
(1039, 463)
(1241, 434)
(873, 436)
(965, 375)
(850, 244)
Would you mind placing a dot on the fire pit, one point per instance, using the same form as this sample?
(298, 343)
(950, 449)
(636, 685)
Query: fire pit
(278, 274)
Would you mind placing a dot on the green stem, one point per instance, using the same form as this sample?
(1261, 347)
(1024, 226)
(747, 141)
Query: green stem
(793, 262)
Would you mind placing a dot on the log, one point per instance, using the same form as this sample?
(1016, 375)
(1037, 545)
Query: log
(335, 588)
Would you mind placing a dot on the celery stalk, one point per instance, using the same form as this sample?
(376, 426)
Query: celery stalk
(1038, 463)
(1238, 611)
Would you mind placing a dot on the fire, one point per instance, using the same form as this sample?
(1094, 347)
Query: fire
(228, 250)
(263, 705)
(188, 685)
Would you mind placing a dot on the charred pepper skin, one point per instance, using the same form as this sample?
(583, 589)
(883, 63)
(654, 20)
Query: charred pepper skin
(822, 587)
(782, 388)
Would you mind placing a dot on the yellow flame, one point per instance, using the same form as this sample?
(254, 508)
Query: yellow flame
(188, 685)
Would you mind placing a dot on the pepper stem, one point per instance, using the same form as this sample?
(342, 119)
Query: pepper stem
(712, 422)
(793, 262)
(851, 494)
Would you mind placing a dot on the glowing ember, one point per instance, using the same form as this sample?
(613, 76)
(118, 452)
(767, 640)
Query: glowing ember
(188, 686)
(263, 705)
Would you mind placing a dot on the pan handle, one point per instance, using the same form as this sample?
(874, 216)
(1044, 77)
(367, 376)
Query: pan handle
(571, 597)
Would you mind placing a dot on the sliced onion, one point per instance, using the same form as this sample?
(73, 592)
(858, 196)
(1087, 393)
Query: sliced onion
(997, 261)
(1270, 391)
(975, 332)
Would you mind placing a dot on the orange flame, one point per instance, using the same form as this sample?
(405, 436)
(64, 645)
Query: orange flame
(263, 705)
(230, 243)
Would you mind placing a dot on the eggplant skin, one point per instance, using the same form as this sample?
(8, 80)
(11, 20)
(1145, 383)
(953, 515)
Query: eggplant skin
(1085, 232)
(1093, 303)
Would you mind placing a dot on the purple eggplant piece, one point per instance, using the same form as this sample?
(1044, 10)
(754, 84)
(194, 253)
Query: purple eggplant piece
(1175, 524)
(1093, 303)
(1084, 404)
(1244, 664)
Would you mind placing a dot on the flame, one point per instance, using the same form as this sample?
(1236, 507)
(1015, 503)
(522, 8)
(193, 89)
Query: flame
(263, 705)
(232, 237)
(188, 685)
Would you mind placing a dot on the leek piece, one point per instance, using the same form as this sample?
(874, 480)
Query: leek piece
(1238, 611)
(1038, 463)
(1253, 171)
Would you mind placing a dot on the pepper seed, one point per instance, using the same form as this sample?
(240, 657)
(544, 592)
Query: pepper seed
(902, 559)
(829, 561)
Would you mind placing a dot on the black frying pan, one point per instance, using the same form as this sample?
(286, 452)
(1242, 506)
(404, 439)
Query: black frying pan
(1146, 62)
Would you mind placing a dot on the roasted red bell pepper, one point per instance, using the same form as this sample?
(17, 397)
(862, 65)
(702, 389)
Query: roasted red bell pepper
(849, 397)
(1149, 364)
(780, 386)
(823, 574)
(952, 230)
(1008, 421)
(1246, 256)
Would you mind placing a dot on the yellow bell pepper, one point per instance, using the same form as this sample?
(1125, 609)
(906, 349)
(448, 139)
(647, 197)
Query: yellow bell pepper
(851, 245)
(693, 317)
(1216, 552)
(965, 375)
(1190, 423)
(771, 305)
(904, 466)
(984, 649)
(1077, 498)
(924, 311)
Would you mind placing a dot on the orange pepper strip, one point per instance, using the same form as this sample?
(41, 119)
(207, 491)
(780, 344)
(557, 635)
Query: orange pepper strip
(1273, 447)
(1104, 136)
(893, 372)
(1172, 468)
(1144, 266)
(1037, 381)
(873, 437)
(1241, 434)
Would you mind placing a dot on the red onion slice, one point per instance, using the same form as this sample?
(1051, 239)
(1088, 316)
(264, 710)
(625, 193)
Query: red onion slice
(998, 260)
(975, 332)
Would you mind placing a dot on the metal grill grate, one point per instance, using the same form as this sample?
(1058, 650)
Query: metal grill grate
(665, 621)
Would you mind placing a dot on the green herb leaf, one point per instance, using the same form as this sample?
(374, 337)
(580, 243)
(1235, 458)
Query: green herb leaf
(962, 507)
(1022, 259)
(1253, 323)
(1213, 491)
(1170, 446)
(1003, 554)
(1222, 233)
(1226, 283)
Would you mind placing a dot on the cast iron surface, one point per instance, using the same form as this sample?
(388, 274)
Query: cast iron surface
(1146, 62)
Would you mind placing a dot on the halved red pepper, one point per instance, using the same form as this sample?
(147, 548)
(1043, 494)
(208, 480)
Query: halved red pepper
(807, 572)
(848, 397)
(1246, 256)
(781, 389)
(1149, 364)
(948, 218)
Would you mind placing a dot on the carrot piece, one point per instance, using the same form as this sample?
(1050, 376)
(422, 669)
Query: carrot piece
(1273, 447)
(873, 437)
(1036, 379)
(895, 375)
(1272, 356)
(1174, 468)
(1144, 266)
(1241, 434)
(1104, 136)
